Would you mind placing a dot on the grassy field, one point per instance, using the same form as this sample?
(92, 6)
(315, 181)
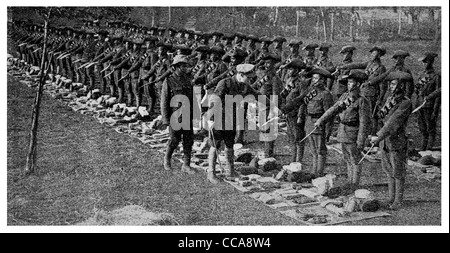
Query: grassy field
(84, 166)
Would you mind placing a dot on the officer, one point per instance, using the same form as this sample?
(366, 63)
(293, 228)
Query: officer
(269, 84)
(178, 83)
(294, 86)
(392, 136)
(341, 84)
(310, 57)
(371, 91)
(238, 84)
(317, 101)
(325, 62)
(354, 113)
(428, 90)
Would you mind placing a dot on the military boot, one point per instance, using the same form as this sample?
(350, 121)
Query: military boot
(229, 163)
(211, 172)
(399, 189)
(300, 151)
(321, 161)
(424, 143)
(186, 167)
(356, 177)
(314, 164)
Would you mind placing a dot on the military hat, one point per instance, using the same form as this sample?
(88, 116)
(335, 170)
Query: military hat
(356, 74)
(150, 38)
(161, 29)
(311, 46)
(324, 47)
(171, 29)
(295, 42)
(245, 68)
(279, 39)
(217, 49)
(266, 40)
(218, 34)
(428, 56)
(153, 28)
(237, 52)
(165, 45)
(227, 36)
(190, 32)
(239, 35)
(381, 50)
(398, 75)
(183, 49)
(321, 71)
(346, 49)
(203, 49)
(400, 53)
(254, 38)
(118, 37)
(138, 41)
(182, 30)
(179, 59)
(296, 64)
(273, 57)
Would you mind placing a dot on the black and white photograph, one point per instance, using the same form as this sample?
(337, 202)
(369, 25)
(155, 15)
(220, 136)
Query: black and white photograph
(226, 118)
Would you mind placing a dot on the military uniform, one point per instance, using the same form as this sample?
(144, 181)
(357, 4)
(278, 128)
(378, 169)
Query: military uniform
(325, 62)
(341, 85)
(310, 57)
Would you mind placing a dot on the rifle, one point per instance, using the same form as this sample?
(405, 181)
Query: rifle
(107, 67)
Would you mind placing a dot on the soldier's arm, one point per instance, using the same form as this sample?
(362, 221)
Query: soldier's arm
(330, 113)
(410, 86)
(216, 80)
(135, 66)
(164, 75)
(383, 86)
(364, 121)
(398, 119)
(122, 64)
(355, 65)
(107, 57)
(165, 102)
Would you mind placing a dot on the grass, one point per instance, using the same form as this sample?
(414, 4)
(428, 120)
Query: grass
(85, 166)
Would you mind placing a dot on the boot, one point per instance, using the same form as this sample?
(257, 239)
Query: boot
(430, 143)
(168, 158)
(349, 173)
(186, 167)
(391, 189)
(229, 163)
(314, 164)
(268, 149)
(399, 189)
(424, 143)
(356, 174)
(211, 172)
(321, 161)
(300, 150)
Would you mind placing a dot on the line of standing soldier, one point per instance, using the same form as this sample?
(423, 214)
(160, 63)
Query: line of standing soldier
(370, 100)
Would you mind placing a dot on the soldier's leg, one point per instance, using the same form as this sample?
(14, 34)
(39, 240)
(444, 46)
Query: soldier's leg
(348, 163)
(119, 85)
(422, 122)
(387, 168)
(355, 157)
(172, 144)
(128, 91)
(240, 133)
(313, 148)
(91, 75)
(137, 95)
(112, 85)
(212, 155)
(431, 126)
(292, 136)
(322, 158)
(229, 153)
(398, 161)
(188, 141)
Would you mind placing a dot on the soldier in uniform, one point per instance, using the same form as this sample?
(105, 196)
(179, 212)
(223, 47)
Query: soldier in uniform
(341, 84)
(392, 136)
(89, 54)
(269, 84)
(149, 58)
(228, 38)
(325, 62)
(238, 39)
(178, 83)
(310, 57)
(136, 61)
(294, 86)
(171, 36)
(216, 37)
(373, 69)
(238, 84)
(399, 57)
(354, 114)
(252, 51)
(278, 46)
(428, 91)
(238, 56)
(294, 46)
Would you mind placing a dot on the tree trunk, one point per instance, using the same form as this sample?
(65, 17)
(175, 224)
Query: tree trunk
(170, 15)
(297, 26)
(317, 27)
(30, 166)
(332, 27)
(437, 35)
(324, 25)
(352, 28)
(399, 11)
(275, 20)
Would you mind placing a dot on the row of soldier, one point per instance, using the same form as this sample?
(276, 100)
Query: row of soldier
(368, 99)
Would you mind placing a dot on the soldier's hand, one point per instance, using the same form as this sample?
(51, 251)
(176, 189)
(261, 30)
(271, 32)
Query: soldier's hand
(317, 124)
(374, 140)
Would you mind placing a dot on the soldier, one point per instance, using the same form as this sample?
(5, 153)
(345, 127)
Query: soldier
(228, 41)
(237, 84)
(428, 91)
(310, 57)
(135, 61)
(171, 39)
(103, 48)
(347, 57)
(294, 86)
(354, 113)
(149, 58)
(153, 31)
(278, 46)
(88, 55)
(392, 136)
(178, 83)
(373, 69)
(216, 37)
(238, 39)
(238, 56)
(399, 57)
(252, 51)
(325, 62)
(269, 84)
(213, 68)
(294, 46)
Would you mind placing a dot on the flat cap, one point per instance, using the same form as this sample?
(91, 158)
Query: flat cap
(296, 64)
(321, 71)
(179, 59)
(273, 57)
(253, 38)
(356, 74)
(245, 68)
(428, 56)
(398, 75)
(279, 39)
(266, 40)
(218, 34)
(381, 50)
(183, 49)
(217, 49)
(311, 46)
(400, 53)
(237, 52)
(346, 49)
(324, 46)
(295, 42)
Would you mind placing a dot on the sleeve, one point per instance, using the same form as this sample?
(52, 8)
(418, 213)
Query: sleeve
(355, 65)
(364, 121)
(330, 113)
(165, 102)
(396, 120)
